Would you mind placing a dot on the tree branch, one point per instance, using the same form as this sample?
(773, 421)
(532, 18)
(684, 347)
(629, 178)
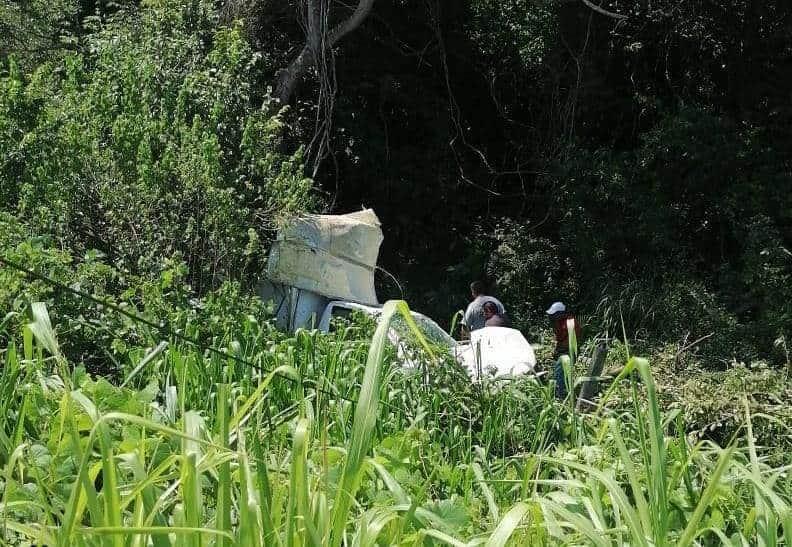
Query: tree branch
(604, 12)
(288, 78)
(354, 21)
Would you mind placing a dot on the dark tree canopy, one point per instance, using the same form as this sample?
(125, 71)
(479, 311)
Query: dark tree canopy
(651, 148)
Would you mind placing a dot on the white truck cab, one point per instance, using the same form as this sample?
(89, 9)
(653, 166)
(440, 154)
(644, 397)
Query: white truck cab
(491, 351)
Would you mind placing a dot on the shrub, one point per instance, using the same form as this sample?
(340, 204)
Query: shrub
(679, 239)
(711, 402)
(98, 337)
(530, 272)
(156, 141)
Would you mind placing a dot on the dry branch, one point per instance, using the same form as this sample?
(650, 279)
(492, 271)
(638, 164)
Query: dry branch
(603, 11)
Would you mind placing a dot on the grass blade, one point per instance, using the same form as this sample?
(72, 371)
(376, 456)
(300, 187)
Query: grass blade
(691, 530)
(366, 414)
(506, 527)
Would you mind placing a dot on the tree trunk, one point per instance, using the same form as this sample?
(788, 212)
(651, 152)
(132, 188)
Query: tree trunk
(289, 77)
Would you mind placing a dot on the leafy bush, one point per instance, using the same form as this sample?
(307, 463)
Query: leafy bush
(530, 272)
(676, 309)
(712, 401)
(98, 337)
(767, 275)
(37, 30)
(157, 141)
(680, 239)
(38, 253)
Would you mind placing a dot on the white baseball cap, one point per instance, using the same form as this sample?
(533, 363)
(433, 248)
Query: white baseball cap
(557, 307)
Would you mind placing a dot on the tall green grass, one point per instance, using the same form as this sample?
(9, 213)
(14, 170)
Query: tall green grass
(193, 451)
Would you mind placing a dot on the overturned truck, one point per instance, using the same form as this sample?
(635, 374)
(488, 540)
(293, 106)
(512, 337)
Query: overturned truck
(323, 266)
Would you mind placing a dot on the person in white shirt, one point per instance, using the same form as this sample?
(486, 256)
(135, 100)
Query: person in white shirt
(474, 317)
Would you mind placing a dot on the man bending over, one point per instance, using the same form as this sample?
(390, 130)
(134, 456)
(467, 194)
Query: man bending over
(474, 318)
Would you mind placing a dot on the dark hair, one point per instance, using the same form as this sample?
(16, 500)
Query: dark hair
(477, 287)
(489, 305)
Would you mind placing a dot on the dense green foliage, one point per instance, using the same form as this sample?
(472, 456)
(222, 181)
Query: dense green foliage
(601, 157)
(703, 252)
(151, 143)
(35, 30)
(558, 151)
(635, 165)
(96, 336)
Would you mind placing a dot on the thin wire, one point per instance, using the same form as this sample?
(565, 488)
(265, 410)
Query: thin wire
(393, 278)
(164, 328)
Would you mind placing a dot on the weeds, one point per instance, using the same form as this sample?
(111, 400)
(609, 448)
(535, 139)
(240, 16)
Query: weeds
(194, 451)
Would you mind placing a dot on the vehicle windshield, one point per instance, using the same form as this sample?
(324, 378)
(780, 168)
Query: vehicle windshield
(431, 331)
(434, 334)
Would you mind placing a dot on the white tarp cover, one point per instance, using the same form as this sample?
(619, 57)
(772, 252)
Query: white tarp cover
(503, 351)
(332, 255)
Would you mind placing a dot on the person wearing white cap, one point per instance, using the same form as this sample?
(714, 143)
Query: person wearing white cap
(556, 307)
(559, 316)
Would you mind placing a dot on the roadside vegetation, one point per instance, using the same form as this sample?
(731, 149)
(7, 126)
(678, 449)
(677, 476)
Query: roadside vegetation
(631, 162)
(319, 439)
